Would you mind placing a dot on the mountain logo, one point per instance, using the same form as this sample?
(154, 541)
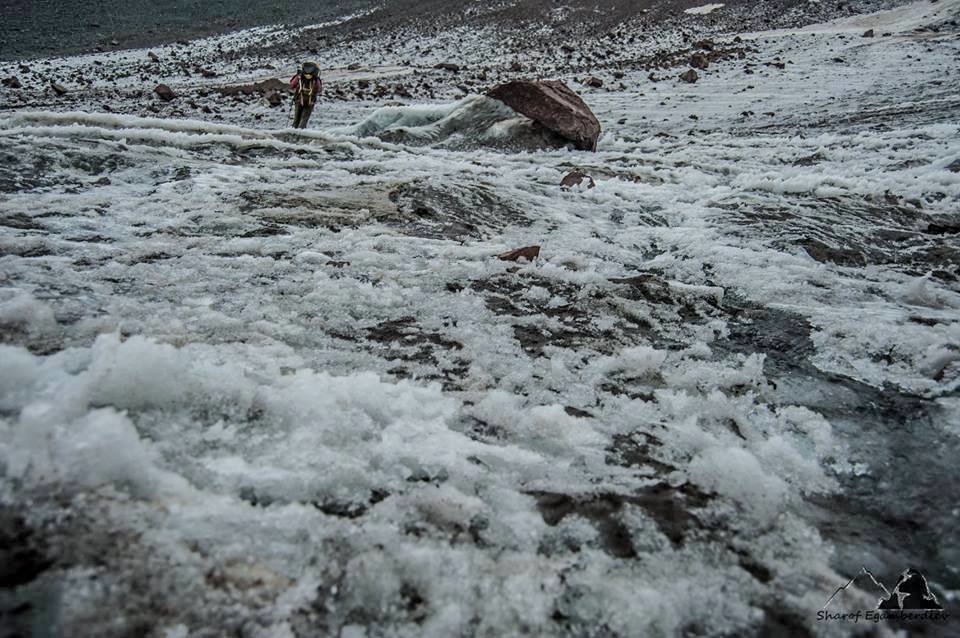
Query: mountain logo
(910, 593)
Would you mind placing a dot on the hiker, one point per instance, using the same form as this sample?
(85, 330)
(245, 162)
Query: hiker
(306, 87)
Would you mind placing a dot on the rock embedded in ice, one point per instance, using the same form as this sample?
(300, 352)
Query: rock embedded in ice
(574, 179)
(11, 82)
(164, 92)
(554, 106)
(528, 252)
(690, 76)
(699, 61)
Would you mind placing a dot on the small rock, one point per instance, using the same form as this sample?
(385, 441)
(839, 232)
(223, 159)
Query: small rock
(706, 45)
(11, 82)
(275, 99)
(153, 56)
(699, 61)
(594, 82)
(868, 33)
(24, 68)
(338, 264)
(447, 66)
(690, 76)
(528, 252)
(58, 88)
(954, 166)
(164, 92)
(576, 178)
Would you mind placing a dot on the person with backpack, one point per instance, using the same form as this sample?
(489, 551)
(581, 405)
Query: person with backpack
(306, 87)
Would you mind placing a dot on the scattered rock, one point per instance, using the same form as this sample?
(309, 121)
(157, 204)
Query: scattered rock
(706, 45)
(59, 89)
(153, 56)
(337, 264)
(690, 76)
(554, 106)
(164, 92)
(576, 178)
(528, 252)
(275, 99)
(868, 33)
(11, 82)
(594, 82)
(699, 61)
(954, 166)
(447, 66)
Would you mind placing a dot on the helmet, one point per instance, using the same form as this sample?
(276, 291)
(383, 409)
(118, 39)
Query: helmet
(310, 70)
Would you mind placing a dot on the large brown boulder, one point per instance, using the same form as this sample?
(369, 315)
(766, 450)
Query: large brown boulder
(554, 106)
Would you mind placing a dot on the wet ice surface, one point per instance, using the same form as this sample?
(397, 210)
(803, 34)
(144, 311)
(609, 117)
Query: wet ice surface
(269, 382)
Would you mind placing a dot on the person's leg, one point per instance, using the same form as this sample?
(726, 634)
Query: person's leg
(305, 115)
(297, 115)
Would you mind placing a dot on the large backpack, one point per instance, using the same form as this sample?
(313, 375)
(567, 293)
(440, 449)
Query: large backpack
(309, 77)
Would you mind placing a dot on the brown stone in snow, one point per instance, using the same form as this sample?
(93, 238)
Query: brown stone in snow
(868, 33)
(59, 89)
(263, 87)
(164, 92)
(699, 61)
(275, 98)
(529, 253)
(11, 82)
(594, 82)
(554, 106)
(576, 178)
(690, 76)
(447, 66)
(153, 56)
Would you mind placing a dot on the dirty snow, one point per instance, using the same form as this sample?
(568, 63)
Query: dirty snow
(274, 382)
